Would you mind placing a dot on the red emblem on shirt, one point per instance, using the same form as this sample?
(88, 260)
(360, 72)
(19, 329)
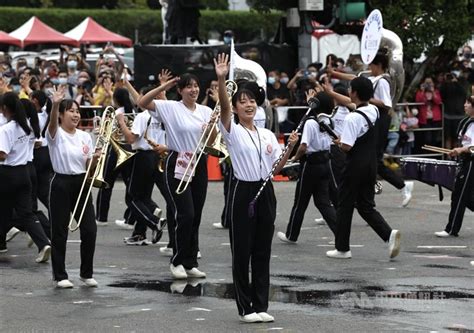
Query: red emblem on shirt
(269, 148)
(85, 149)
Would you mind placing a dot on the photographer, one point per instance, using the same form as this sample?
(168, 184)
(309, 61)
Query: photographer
(430, 114)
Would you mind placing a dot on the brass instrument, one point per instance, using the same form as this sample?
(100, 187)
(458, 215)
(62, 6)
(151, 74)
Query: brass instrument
(97, 178)
(231, 88)
(161, 162)
(117, 140)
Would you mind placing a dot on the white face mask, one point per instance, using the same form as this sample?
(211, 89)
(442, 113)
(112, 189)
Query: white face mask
(72, 64)
(284, 80)
(49, 91)
(62, 80)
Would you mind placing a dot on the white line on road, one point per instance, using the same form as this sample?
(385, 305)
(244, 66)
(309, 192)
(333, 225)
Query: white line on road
(442, 247)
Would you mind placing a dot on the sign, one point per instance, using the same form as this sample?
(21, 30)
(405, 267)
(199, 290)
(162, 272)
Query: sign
(371, 36)
(311, 5)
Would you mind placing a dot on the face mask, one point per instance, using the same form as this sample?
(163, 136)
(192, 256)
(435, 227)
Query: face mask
(16, 88)
(49, 91)
(271, 80)
(227, 40)
(21, 68)
(335, 81)
(312, 75)
(55, 81)
(81, 80)
(128, 76)
(467, 55)
(72, 64)
(62, 80)
(414, 112)
(456, 73)
(284, 80)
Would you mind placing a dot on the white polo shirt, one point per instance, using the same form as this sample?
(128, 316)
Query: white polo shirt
(42, 117)
(355, 124)
(69, 152)
(154, 133)
(467, 139)
(339, 118)
(381, 89)
(3, 120)
(15, 143)
(314, 139)
(183, 126)
(260, 117)
(252, 152)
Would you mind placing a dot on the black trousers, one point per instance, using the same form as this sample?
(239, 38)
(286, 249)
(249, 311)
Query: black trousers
(110, 176)
(140, 188)
(357, 186)
(15, 197)
(44, 170)
(336, 163)
(462, 197)
(187, 211)
(64, 194)
(251, 242)
(227, 170)
(313, 181)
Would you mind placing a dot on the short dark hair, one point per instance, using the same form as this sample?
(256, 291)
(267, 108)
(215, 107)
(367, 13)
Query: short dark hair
(186, 79)
(381, 58)
(363, 87)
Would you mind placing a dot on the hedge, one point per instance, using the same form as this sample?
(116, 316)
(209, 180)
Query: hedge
(246, 25)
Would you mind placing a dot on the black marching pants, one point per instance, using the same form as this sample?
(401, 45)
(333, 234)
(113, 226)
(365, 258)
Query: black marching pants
(462, 197)
(187, 211)
(64, 194)
(43, 170)
(336, 163)
(227, 168)
(313, 181)
(251, 242)
(15, 197)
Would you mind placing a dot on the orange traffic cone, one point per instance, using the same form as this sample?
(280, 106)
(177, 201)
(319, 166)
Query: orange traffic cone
(280, 178)
(213, 168)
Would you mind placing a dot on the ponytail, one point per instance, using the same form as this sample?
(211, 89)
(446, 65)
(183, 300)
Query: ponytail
(32, 115)
(11, 101)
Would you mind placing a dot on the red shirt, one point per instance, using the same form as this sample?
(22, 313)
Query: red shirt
(435, 104)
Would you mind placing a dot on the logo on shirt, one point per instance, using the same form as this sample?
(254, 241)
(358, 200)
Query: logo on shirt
(85, 149)
(269, 148)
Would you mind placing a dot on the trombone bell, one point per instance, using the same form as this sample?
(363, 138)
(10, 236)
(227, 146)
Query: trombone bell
(122, 154)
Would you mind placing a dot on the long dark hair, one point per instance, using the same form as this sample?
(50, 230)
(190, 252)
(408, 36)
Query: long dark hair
(122, 98)
(32, 115)
(11, 102)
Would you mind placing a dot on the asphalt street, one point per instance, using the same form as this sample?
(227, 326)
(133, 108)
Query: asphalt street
(429, 287)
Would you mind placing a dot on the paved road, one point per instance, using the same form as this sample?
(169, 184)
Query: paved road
(429, 287)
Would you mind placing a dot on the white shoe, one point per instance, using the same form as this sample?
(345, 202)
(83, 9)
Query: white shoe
(281, 236)
(195, 273)
(178, 272)
(320, 221)
(406, 193)
(198, 256)
(166, 251)
(251, 318)
(266, 318)
(89, 282)
(157, 212)
(442, 234)
(218, 225)
(12, 234)
(339, 254)
(64, 284)
(394, 244)
(44, 254)
(101, 223)
(123, 225)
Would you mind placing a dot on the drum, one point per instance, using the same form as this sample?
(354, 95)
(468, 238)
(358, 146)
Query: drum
(291, 170)
(430, 171)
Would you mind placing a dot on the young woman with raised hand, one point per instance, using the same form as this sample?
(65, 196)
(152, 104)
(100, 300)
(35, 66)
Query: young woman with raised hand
(253, 151)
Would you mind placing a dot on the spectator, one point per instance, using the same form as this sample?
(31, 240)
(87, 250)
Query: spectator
(84, 94)
(430, 115)
(277, 94)
(407, 137)
(284, 79)
(453, 95)
(104, 89)
(211, 97)
(70, 89)
(228, 37)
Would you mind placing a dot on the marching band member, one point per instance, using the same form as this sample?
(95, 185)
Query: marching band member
(358, 140)
(463, 193)
(144, 169)
(71, 151)
(184, 121)
(253, 151)
(16, 140)
(315, 173)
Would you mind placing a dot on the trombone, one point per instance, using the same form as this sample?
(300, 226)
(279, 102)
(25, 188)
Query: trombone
(231, 88)
(96, 179)
(152, 144)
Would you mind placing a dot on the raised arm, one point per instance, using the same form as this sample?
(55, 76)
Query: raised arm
(222, 69)
(58, 96)
(146, 102)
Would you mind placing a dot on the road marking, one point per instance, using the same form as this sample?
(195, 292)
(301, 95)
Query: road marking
(225, 244)
(74, 241)
(82, 302)
(199, 309)
(200, 319)
(145, 309)
(437, 257)
(442, 247)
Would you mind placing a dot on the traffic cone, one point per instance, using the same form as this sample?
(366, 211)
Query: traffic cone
(280, 178)
(213, 168)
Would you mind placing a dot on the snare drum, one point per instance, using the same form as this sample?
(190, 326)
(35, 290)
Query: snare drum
(430, 171)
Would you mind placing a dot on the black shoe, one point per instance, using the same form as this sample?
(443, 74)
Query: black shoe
(136, 240)
(156, 235)
(3, 245)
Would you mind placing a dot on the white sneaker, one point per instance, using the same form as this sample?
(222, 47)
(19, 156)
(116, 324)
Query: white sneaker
(178, 272)
(266, 318)
(12, 233)
(218, 225)
(320, 221)
(101, 223)
(89, 282)
(44, 254)
(281, 236)
(339, 254)
(442, 234)
(394, 244)
(198, 256)
(64, 284)
(166, 251)
(406, 193)
(123, 225)
(157, 212)
(196, 273)
(251, 318)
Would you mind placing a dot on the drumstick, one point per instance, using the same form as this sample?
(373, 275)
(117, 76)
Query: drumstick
(439, 148)
(436, 149)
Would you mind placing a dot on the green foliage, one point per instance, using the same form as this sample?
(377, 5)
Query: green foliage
(146, 21)
(268, 5)
(215, 4)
